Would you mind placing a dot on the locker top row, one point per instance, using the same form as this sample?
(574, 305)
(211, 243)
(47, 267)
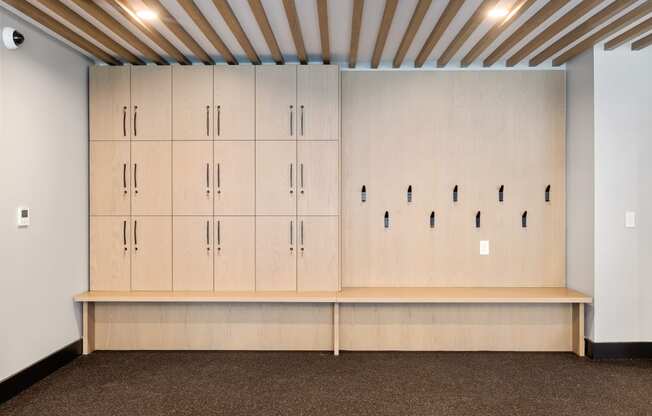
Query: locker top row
(287, 102)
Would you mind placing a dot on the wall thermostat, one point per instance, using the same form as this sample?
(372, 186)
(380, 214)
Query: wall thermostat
(23, 217)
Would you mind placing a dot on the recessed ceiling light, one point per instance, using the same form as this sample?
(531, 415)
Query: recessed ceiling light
(146, 14)
(498, 12)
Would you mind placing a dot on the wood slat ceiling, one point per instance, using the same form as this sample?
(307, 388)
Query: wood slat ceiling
(353, 33)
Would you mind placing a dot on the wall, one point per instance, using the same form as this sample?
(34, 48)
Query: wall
(623, 180)
(579, 179)
(44, 135)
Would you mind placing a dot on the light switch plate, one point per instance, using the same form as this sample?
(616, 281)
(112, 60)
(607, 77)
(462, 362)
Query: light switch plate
(630, 219)
(484, 247)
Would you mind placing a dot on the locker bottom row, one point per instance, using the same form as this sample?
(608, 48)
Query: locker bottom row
(238, 253)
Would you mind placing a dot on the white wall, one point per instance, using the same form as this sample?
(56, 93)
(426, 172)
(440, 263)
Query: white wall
(579, 179)
(43, 158)
(623, 182)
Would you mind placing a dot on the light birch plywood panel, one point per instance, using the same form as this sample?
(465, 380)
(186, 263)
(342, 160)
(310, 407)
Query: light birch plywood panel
(318, 257)
(151, 178)
(420, 327)
(187, 326)
(110, 103)
(192, 178)
(151, 259)
(234, 101)
(110, 254)
(235, 253)
(151, 102)
(192, 102)
(276, 178)
(276, 247)
(192, 253)
(318, 178)
(318, 98)
(234, 168)
(276, 102)
(110, 178)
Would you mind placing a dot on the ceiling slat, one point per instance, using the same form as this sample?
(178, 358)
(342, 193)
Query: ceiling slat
(556, 27)
(589, 24)
(632, 33)
(383, 31)
(82, 24)
(525, 29)
(517, 11)
(356, 25)
(175, 27)
(204, 25)
(149, 31)
(60, 29)
(266, 29)
(295, 28)
(322, 12)
(469, 27)
(444, 21)
(609, 29)
(642, 43)
(107, 20)
(415, 22)
(232, 22)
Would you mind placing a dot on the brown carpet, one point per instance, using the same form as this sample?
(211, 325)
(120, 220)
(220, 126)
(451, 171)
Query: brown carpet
(298, 383)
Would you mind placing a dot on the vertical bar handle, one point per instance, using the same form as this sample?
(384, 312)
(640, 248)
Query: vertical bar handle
(124, 178)
(208, 178)
(208, 235)
(135, 120)
(124, 121)
(302, 119)
(219, 181)
(301, 231)
(291, 120)
(136, 177)
(301, 177)
(124, 234)
(291, 178)
(136, 235)
(291, 235)
(219, 120)
(219, 235)
(208, 109)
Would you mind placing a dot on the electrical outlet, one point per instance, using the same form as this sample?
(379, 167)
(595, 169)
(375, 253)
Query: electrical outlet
(630, 219)
(484, 247)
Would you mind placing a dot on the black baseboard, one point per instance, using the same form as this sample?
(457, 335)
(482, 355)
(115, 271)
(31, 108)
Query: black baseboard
(615, 350)
(37, 371)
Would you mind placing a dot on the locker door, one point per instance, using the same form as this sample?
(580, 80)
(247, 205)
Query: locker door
(318, 257)
(276, 242)
(192, 182)
(235, 177)
(109, 103)
(276, 178)
(151, 102)
(151, 173)
(151, 261)
(318, 179)
(318, 93)
(110, 178)
(192, 252)
(110, 256)
(192, 102)
(234, 102)
(276, 100)
(235, 248)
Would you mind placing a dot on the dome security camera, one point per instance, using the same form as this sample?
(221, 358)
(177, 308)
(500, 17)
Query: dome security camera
(12, 38)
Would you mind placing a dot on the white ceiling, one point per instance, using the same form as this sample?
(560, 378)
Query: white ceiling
(339, 14)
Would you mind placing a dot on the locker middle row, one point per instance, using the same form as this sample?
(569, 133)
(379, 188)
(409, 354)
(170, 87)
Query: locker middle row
(221, 178)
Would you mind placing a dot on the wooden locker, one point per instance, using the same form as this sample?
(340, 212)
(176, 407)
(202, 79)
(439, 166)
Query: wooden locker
(276, 178)
(192, 253)
(235, 177)
(110, 253)
(235, 253)
(276, 246)
(192, 178)
(192, 102)
(110, 178)
(110, 103)
(318, 100)
(318, 256)
(151, 261)
(234, 102)
(318, 178)
(151, 178)
(276, 101)
(151, 102)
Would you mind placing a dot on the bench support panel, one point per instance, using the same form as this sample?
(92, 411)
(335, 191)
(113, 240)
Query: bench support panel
(88, 331)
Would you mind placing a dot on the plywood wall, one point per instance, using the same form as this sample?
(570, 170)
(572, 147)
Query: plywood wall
(434, 130)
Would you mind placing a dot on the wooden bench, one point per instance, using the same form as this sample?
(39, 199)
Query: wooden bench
(449, 295)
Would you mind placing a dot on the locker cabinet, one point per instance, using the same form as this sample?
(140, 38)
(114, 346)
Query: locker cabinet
(110, 253)
(151, 178)
(235, 248)
(276, 246)
(110, 103)
(276, 94)
(234, 102)
(235, 177)
(192, 252)
(318, 114)
(318, 256)
(151, 102)
(110, 178)
(192, 102)
(318, 178)
(192, 178)
(151, 260)
(276, 178)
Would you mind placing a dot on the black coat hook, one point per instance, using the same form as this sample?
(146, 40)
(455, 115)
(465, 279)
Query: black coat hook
(432, 219)
(477, 220)
(455, 194)
(409, 193)
(386, 219)
(363, 194)
(548, 193)
(501, 193)
(524, 219)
